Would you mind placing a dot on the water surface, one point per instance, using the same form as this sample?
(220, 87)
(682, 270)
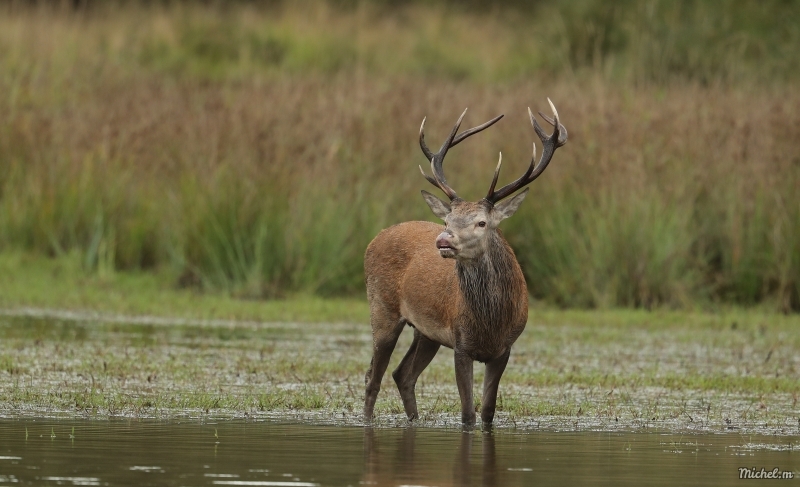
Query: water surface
(263, 453)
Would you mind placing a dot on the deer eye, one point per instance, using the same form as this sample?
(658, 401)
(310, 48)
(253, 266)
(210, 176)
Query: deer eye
(481, 224)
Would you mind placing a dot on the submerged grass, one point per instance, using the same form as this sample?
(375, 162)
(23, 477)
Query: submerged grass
(688, 373)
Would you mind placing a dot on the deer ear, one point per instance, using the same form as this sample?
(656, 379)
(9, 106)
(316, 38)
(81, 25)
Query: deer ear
(505, 209)
(438, 207)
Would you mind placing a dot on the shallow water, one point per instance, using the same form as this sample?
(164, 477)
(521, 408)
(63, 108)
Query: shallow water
(264, 453)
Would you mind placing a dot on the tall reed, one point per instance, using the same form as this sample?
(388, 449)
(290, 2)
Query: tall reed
(140, 152)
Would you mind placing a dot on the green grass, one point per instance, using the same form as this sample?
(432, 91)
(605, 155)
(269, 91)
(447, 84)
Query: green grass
(30, 281)
(611, 368)
(622, 369)
(127, 350)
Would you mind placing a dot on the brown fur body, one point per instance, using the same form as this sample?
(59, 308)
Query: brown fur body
(477, 308)
(480, 308)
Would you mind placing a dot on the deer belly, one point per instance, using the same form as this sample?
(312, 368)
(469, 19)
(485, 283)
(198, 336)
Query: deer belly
(430, 328)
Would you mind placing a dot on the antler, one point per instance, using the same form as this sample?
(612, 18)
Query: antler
(437, 159)
(550, 143)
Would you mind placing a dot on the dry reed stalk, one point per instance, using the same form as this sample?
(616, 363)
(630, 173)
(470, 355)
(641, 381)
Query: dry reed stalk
(268, 183)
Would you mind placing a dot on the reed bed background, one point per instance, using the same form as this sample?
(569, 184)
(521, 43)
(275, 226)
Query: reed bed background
(257, 151)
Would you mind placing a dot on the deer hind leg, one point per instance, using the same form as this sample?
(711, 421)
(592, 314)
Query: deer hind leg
(491, 381)
(385, 331)
(418, 357)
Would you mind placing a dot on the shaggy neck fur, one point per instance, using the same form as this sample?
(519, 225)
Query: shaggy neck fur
(490, 285)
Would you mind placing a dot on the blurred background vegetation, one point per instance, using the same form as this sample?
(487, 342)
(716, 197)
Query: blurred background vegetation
(255, 148)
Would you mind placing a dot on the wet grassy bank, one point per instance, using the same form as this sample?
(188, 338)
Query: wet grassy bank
(732, 371)
(75, 343)
(186, 193)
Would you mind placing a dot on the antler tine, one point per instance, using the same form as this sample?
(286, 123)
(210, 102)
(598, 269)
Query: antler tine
(549, 142)
(430, 179)
(422, 144)
(474, 130)
(562, 131)
(496, 174)
(448, 143)
(437, 159)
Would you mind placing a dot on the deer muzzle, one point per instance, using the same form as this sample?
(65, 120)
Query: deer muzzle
(444, 243)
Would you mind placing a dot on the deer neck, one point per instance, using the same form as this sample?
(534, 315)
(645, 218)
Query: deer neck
(490, 285)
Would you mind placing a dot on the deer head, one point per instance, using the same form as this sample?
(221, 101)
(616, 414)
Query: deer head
(471, 227)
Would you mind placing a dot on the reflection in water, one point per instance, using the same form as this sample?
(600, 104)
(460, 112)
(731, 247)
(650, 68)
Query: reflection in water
(463, 469)
(132, 452)
(383, 466)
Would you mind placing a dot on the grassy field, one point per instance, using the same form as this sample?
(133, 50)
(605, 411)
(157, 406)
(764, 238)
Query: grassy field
(606, 370)
(186, 193)
(30, 283)
(254, 153)
(128, 345)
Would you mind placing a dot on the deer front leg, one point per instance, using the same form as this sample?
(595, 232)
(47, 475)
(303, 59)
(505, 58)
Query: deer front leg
(418, 357)
(464, 382)
(491, 381)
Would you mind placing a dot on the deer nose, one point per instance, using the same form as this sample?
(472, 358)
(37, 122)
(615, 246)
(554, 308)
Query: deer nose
(443, 240)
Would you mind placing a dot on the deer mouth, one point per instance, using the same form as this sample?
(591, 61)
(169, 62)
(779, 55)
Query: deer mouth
(447, 252)
(445, 249)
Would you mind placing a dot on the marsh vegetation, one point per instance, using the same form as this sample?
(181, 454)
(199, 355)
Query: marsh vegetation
(200, 182)
(734, 372)
(254, 152)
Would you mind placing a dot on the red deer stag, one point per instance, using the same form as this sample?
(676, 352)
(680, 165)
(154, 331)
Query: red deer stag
(460, 286)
